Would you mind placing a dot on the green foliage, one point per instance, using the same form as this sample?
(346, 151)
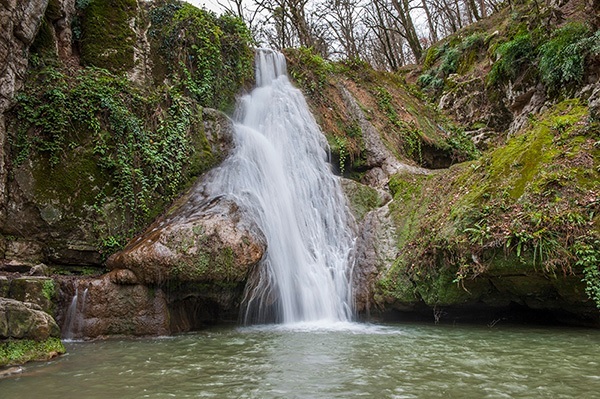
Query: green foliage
(514, 56)
(562, 58)
(14, 352)
(558, 60)
(528, 207)
(587, 251)
(452, 57)
(411, 135)
(209, 57)
(308, 69)
(141, 143)
(48, 289)
(341, 147)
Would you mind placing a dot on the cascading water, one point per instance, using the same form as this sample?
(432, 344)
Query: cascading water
(75, 314)
(279, 173)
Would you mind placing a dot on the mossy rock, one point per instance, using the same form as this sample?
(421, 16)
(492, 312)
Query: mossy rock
(38, 290)
(444, 289)
(107, 39)
(4, 286)
(362, 199)
(396, 290)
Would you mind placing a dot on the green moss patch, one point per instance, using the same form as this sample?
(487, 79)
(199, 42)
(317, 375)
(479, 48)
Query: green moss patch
(14, 352)
(107, 39)
(527, 208)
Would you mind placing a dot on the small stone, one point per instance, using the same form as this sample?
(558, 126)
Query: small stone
(10, 372)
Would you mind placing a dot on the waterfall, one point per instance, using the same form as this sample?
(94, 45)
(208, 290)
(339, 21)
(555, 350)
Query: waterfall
(75, 313)
(279, 172)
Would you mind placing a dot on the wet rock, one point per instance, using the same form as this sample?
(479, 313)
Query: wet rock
(375, 253)
(106, 308)
(123, 277)
(10, 372)
(23, 320)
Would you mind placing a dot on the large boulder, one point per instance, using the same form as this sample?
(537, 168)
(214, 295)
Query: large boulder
(26, 333)
(34, 289)
(210, 241)
(24, 320)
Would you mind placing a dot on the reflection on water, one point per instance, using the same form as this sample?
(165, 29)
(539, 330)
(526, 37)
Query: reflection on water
(344, 360)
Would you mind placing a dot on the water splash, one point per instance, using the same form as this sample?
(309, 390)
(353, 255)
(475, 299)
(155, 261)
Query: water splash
(279, 172)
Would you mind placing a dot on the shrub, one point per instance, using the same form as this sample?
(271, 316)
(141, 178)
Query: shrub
(562, 58)
(513, 57)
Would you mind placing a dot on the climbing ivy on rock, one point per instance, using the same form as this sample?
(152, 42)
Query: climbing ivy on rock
(141, 143)
(208, 57)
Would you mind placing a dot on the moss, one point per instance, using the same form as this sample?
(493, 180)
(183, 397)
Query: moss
(49, 290)
(363, 199)
(396, 286)
(207, 266)
(14, 352)
(519, 210)
(107, 39)
(442, 289)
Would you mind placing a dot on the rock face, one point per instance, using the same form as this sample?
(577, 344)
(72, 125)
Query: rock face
(379, 159)
(56, 212)
(376, 251)
(19, 20)
(113, 304)
(24, 320)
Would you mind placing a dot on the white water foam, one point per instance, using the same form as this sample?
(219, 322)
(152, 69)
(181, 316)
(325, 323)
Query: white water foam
(279, 173)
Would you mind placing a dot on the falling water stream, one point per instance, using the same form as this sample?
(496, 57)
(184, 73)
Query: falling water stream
(279, 173)
(75, 314)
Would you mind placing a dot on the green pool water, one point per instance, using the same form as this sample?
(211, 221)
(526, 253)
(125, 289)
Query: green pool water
(336, 361)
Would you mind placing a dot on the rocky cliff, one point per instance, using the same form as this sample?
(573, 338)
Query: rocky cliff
(509, 230)
(109, 111)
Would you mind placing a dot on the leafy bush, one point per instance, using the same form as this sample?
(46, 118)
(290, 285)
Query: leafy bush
(458, 57)
(587, 251)
(309, 69)
(513, 57)
(562, 58)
